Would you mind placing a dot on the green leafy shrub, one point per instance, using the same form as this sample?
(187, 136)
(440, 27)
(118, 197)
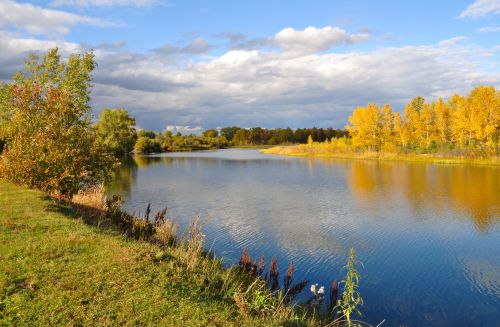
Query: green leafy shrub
(146, 145)
(49, 141)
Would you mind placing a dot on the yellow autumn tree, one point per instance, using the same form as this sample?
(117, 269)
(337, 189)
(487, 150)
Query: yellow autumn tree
(414, 125)
(365, 128)
(387, 126)
(427, 118)
(442, 121)
(465, 125)
(483, 105)
(462, 130)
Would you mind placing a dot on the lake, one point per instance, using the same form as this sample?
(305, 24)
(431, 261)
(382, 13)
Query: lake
(428, 235)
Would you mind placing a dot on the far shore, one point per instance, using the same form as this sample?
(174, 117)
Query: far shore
(381, 156)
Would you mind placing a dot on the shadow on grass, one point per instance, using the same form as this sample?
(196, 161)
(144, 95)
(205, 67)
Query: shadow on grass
(108, 216)
(89, 215)
(207, 285)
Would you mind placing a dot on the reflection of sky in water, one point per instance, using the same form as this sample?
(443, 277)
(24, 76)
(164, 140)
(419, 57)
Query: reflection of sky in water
(427, 234)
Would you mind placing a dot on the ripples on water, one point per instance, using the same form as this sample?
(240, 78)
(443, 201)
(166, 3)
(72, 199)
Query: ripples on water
(427, 234)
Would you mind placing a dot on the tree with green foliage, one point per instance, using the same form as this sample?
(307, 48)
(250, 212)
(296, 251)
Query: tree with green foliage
(229, 132)
(5, 109)
(241, 137)
(211, 133)
(147, 145)
(49, 140)
(115, 129)
(146, 133)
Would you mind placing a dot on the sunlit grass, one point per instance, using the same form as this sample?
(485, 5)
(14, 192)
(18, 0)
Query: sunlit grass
(87, 263)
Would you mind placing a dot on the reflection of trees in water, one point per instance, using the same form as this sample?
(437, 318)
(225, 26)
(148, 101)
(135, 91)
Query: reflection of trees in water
(469, 189)
(438, 189)
(123, 177)
(144, 161)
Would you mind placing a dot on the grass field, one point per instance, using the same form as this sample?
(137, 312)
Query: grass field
(59, 268)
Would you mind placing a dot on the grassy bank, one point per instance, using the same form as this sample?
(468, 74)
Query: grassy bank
(302, 150)
(61, 266)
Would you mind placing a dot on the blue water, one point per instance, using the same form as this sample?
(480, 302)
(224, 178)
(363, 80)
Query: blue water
(427, 235)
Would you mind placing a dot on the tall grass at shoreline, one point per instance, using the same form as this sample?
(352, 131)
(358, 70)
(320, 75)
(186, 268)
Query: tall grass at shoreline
(87, 262)
(264, 295)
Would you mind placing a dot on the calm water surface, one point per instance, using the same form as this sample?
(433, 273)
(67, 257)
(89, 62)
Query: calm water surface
(428, 235)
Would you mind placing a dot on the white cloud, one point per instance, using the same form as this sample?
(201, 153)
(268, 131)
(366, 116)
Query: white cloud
(312, 39)
(489, 29)
(15, 49)
(38, 20)
(453, 41)
(186, 130)
(104, 3)
(267, 87)
(481, 8)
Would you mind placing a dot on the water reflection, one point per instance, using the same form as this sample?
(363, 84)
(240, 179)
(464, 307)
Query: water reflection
(430, 189)
(124, 176)
(427, 234)
(471, 191)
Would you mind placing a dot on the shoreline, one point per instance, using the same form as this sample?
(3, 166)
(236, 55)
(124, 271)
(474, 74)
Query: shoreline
(423, 158)
(70, 261)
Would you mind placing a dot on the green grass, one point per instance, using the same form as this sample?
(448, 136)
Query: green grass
(58, 268)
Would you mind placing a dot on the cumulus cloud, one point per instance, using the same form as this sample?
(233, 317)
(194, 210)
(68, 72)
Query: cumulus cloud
(251, 87)
(105, 3)
(15, 49)
(297, 42)
(186, 130)
(269, 87)
(312, 39)
(40, 21)
(481, 8)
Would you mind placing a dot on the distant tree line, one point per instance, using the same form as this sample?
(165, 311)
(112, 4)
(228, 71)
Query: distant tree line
(116, 129)
(264, 136)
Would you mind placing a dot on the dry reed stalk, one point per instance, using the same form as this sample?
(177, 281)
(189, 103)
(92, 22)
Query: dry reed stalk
(334, 296)
(287, 282)
(240, 303)
(194, 244)
(166, 232)
(93, 197)
(246, 260)
(272, 282)
(262, 266)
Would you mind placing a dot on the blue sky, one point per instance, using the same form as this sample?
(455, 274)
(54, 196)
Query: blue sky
(261, 63)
